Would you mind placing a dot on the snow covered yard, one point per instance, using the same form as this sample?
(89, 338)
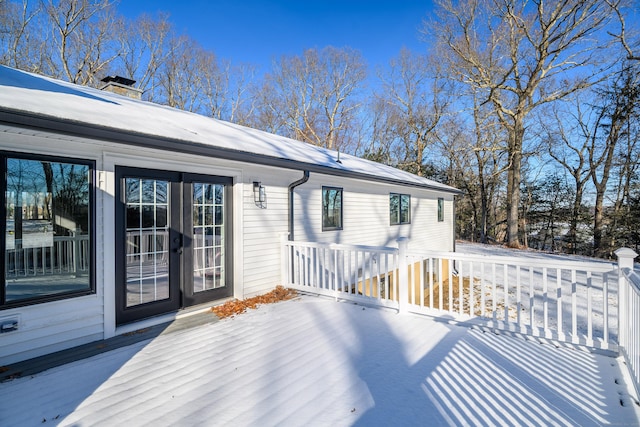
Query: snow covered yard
(315, 361)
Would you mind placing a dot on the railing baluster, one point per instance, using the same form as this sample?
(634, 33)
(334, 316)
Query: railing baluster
(378, 282)
(532, 297)
(482, 291)
(386, 270)
(450, 284)
(559, 304)
(356, 271)
(431, 282)
(494, 309)
(505, 278)
(545, 301)
(471, 296)
(337, 270)
(589, 310)
(574, 311)
(320, 268)
(518, 301)
(605, 307)
(460, 290)
(440, 285)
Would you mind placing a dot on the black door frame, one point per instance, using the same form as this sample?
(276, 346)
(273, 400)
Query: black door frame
(126, 314)
(181, 293)
(189, 296)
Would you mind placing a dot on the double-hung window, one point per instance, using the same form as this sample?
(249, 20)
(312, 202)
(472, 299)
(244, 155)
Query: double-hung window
(47, 236)
(331, 208)
(400, 208)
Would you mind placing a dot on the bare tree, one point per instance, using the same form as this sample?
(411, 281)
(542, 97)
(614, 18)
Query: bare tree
(314, 95)
(269, 111)
(181, 76)
(563, 131)
(622, 35)
(83, 34)
(415, 91)
(521, 55)
(226, 90)
(144, 51)
(20, 43)
(619, 104)
(486, 143)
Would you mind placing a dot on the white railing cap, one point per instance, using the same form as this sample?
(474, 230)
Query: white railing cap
(625, 253)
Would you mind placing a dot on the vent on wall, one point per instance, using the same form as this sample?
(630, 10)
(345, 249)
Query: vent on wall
(9, 324)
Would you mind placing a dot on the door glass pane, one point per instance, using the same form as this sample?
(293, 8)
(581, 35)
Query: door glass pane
(147, 240)
(208, 237)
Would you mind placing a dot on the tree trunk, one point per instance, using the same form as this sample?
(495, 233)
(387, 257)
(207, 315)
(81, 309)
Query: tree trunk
(513, 183)
(575, 214)
(598, 218)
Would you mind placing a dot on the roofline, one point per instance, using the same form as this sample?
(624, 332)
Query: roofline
(89, 130)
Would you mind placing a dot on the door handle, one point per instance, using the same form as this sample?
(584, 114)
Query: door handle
(179, 250)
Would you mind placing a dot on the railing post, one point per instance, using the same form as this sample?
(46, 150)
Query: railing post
(284, 263)
(403, 275)
(625, 261)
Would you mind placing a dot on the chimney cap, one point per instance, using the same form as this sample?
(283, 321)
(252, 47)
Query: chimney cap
(119, 79)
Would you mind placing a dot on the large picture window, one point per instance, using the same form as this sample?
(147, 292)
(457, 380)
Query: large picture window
(331, 208)
(47, 236)
(400, 208)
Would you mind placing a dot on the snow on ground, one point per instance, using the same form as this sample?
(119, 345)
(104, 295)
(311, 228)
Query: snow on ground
(500, 250)
(317, 362)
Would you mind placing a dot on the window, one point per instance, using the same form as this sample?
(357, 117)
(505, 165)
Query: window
(400, 208)
(331, 208)
(440, 209)
(48, 229)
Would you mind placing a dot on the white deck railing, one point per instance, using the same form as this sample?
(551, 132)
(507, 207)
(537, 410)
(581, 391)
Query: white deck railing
(67, 255)
(573, 302)
(629, 336)
(354, 272)
(589, 303)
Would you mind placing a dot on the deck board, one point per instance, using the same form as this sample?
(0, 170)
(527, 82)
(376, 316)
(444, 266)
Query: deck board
(315, 361)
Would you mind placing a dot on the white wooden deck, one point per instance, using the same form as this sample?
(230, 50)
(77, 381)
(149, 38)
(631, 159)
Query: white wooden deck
(315, 361)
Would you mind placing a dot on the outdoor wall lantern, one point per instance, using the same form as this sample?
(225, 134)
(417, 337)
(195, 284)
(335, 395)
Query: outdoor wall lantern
(259, 194)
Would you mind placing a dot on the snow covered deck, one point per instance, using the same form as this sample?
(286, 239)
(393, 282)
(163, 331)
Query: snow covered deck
(315, 361)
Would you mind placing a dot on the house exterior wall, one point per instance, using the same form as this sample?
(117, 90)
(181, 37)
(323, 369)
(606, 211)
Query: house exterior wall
(366, 218)
(257, 231)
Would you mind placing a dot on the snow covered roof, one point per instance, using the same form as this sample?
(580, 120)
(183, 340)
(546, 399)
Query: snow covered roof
(32, 100)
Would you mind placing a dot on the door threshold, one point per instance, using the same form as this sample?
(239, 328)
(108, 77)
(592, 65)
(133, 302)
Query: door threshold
(130, 328)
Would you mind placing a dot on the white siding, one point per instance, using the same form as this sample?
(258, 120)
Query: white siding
(264, 227)
(49, 327)
(366, 215)
(257, 232)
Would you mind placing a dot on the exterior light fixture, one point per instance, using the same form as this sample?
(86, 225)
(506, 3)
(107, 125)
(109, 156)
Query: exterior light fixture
(259, 194)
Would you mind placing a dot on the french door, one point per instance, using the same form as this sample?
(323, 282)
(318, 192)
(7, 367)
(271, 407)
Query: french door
(172, 241)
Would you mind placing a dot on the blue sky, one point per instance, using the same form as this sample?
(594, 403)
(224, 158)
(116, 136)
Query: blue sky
(254, 31)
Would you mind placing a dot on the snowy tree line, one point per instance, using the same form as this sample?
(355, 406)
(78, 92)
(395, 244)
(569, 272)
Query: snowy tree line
(530, 107)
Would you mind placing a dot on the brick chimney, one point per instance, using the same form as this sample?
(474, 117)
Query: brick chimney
(121, 86)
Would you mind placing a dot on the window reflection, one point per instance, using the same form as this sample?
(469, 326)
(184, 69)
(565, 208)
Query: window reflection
(47, 228)
(331, 208)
